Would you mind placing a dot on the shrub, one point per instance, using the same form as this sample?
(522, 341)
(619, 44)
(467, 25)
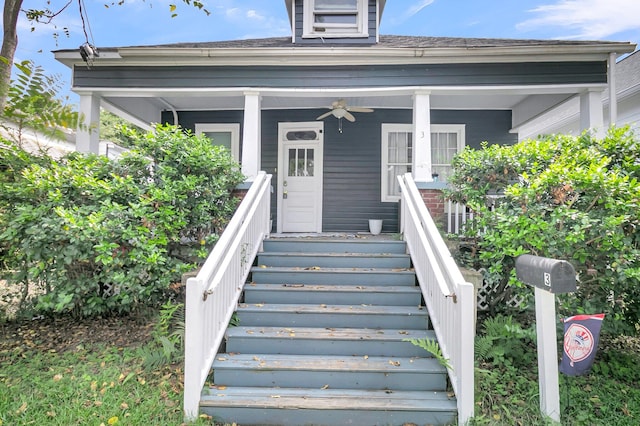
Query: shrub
(565, 197)
(96, 236)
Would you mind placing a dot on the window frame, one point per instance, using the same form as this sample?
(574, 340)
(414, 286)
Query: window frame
(233, 128)
(310, 29)
(387, 128)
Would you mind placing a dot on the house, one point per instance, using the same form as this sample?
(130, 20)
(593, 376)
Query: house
(430, 97)
(565, 117)
(335, 113)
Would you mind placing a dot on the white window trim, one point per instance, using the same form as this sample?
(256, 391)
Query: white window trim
(408, 127)
(362, 30)
(233, 128)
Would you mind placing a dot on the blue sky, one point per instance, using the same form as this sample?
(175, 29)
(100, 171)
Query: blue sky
(143, 22)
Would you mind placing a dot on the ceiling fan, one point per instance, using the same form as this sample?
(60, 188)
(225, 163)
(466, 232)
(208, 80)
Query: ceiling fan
(339, 109)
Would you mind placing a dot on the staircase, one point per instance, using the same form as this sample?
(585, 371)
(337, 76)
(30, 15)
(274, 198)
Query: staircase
(320, 341)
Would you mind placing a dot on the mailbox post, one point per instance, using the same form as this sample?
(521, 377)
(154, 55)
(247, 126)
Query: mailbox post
(549, 277)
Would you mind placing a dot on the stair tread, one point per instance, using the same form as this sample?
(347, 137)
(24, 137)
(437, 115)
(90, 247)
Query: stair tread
(334, 287)
(328, 399)
(316, 269)
(330, 254)
(330, 333)
(332, 309)
(324, 363)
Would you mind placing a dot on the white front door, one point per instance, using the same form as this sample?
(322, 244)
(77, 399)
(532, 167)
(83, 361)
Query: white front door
(300, 177)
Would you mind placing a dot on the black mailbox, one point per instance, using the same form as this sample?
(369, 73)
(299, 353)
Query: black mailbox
(555, 276)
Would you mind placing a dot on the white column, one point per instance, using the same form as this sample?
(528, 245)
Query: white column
(421, 164)
(613, 94)
(592, 112)
(251, 136)
(88, 134)
(547, 354)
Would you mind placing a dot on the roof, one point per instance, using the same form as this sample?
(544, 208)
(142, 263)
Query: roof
(385, 41)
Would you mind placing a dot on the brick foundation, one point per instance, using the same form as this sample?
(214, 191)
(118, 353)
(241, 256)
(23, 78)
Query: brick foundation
(434, 201)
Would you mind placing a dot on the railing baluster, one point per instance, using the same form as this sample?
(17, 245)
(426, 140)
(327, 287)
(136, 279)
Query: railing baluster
(449, 298)
(212, 295)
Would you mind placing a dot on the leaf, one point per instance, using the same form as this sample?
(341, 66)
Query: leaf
(22, 408)
(172, 7)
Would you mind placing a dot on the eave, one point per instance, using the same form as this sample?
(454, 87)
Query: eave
(310, 56)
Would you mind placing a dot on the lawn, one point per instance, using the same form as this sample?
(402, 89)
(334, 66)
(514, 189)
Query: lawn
(93, 372)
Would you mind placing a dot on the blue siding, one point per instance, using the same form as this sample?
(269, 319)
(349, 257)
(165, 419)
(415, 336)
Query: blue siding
(352, 159)
(342, 76)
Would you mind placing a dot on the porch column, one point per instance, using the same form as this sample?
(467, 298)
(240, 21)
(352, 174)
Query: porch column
(613, 94)
(251, 135)
(421, 162)
(592, 112)
(88, 134)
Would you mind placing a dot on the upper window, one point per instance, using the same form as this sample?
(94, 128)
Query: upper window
(335, 18)
(397, 153)
(225, 134)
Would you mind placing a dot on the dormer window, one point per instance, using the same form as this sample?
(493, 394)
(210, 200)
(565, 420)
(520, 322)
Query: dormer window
(335, 18)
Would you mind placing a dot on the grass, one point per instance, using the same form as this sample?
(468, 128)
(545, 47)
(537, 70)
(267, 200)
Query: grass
(88, 386)
(109, 384)
(507, 381)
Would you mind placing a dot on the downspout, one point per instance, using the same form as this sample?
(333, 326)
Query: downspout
(613, 95)
(173, 110)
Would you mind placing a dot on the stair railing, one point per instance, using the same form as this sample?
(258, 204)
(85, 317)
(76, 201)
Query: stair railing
(449, 298)
(212, 295)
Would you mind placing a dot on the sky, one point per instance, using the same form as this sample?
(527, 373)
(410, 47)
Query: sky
(150, 22)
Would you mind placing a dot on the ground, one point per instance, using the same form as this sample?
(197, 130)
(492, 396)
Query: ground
(63, 334)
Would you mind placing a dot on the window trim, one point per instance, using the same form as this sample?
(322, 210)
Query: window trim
(361, 28)
(408, 127)
(233, 128)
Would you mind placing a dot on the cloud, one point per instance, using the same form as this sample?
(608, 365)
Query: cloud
(586, 19)
(416, 8)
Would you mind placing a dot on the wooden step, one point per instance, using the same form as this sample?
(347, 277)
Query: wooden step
(332, 294)
(335, 276)
(305, 406)
(327, 341)
(321, 315)
(335, 260)
(320, 245)
(329, 371)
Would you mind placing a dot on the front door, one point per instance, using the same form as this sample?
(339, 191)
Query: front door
(300, 177)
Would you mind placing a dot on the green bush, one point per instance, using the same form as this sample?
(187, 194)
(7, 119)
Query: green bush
(94, 236)
(564, 197)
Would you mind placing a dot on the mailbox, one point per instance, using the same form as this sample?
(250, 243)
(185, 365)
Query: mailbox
(555, 276)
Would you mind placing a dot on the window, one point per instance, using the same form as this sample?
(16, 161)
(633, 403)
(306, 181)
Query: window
(335, 18)
(397, 154)
(225, 134)
(446, 141)
(396, 157)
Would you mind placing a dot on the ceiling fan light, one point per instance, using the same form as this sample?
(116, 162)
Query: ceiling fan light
(339, 112)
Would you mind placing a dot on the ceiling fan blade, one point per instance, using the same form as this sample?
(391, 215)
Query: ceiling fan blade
(325, 115)
(359, 109)
(349, 116)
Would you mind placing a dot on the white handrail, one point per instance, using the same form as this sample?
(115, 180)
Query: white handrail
(449, 298)
(212, 295)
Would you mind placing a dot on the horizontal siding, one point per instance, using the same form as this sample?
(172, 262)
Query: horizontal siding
(341, 76)
(352, 158)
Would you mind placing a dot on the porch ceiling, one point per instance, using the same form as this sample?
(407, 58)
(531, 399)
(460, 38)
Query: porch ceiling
(144, 106)
(378, 101)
